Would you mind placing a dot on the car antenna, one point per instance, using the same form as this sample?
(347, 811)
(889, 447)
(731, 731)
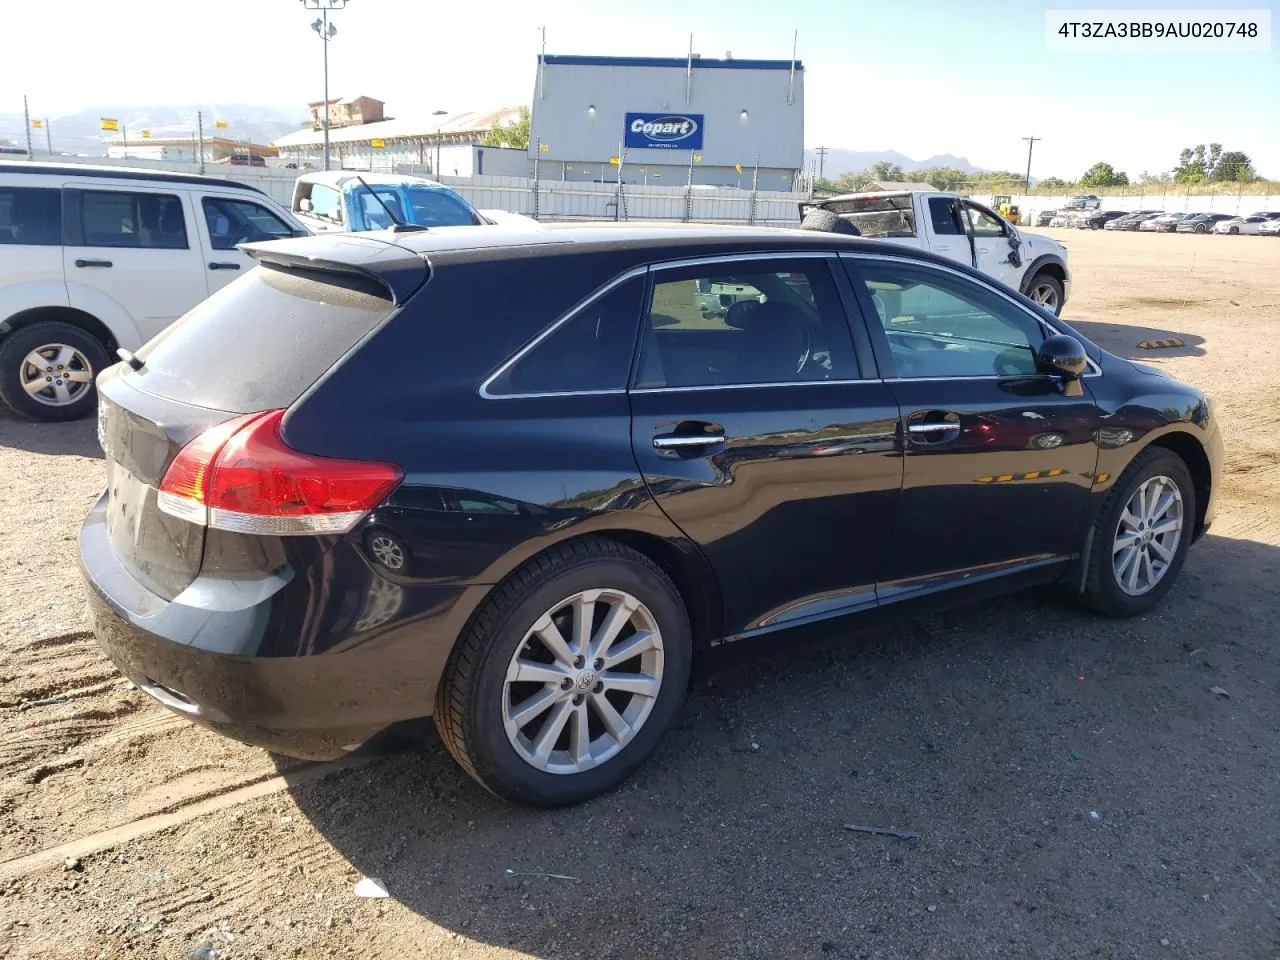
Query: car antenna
(398, 225)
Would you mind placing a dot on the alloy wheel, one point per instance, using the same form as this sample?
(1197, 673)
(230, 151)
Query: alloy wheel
(1147, 535)
(56, 374)
(583, 681)
(1045, 294)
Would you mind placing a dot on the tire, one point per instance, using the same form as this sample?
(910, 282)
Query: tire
(475, 704)
(1103, 590)
(1234, 231)
(1094, 225)
(1052, 283)
(1201, 228)
(827, 222)
(87, 355)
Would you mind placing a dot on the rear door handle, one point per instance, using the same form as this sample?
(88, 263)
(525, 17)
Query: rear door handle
(223, 265)
(93, 263)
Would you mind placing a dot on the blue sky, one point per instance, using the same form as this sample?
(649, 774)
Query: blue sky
(970, 77)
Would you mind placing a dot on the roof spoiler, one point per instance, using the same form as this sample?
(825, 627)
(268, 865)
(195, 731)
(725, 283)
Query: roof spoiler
(398, 271)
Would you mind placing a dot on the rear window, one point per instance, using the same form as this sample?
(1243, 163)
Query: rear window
(261, 341)
(31, 216)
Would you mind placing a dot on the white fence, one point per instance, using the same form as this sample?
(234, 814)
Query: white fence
(551, 200)
(1234, 204)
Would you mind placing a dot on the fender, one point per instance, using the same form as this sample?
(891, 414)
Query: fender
(1035, 265)
(113, 316)
(20, 297)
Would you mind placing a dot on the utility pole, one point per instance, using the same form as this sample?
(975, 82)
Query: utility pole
(26, 116)
(1031, 142)
(822, 160)
(326, 31)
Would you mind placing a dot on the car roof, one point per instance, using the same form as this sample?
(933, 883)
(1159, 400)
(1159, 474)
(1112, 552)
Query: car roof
(123, 173)
(389, 257)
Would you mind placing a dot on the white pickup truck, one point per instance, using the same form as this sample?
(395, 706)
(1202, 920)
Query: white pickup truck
(955, 227)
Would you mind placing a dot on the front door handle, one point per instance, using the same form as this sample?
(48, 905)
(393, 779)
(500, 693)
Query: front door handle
(93, 263)
(935, 430)
(223, 265)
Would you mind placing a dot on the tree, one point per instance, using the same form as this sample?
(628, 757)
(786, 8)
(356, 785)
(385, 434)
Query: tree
(853, 181)
(1103, 175)
(1194, 165)
(514, 134)
(1235, 166)
(1154, 179)
(940, 178)
(1052, 183)
(884, 170)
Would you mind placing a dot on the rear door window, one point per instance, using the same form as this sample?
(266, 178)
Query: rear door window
(259, 343)
(745, 322)
(127, 218)
(31, 216)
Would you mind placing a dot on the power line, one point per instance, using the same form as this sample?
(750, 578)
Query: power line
(822, 159)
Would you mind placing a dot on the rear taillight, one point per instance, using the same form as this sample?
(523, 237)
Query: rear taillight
(241, 476)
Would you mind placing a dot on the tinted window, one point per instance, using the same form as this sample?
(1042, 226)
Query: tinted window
(943, 325)
(30, 216)
(241, 221)
(942, 216)
(589, 351)
(111, 218)
(756, 321)
(258, 343)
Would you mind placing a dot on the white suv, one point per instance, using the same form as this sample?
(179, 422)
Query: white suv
(94, 259)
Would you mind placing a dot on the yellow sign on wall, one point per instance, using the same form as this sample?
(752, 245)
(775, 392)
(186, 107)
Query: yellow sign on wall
(146, 134)
(221, 124)
(544, 147)
(109, 124)
(616, 161)
(37, 124)
(377, 144)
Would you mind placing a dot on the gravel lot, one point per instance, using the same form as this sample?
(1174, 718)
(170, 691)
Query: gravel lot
(1078, 789)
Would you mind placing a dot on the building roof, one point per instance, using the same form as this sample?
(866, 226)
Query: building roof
(896, 186)
(225, 142)
(699, 63)
(320, 103)
(475, 121)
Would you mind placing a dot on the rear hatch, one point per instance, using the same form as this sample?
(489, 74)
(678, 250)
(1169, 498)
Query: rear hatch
(256, 345)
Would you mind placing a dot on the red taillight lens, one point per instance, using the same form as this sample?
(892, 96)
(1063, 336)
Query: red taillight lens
(241, 476)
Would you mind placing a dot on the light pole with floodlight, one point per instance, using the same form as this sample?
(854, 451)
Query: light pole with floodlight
(326, 31)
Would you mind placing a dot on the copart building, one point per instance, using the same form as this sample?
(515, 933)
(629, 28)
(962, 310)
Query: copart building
(652, 119)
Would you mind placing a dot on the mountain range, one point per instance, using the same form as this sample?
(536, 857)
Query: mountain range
(839, 161)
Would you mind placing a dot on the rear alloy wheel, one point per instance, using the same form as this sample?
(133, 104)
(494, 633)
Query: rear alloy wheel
(569, 675)
(1047, 291)
(47, 371)
(1201, 228)
(1141, 538)
(1233, 231)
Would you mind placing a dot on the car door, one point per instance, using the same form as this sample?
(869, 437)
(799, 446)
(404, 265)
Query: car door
(227, 220)
(990, 235)
(947, 233)
(137, 249)
(998, 459)
(765, 436)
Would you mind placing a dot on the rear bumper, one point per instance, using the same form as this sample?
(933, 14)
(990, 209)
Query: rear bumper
(347, 659)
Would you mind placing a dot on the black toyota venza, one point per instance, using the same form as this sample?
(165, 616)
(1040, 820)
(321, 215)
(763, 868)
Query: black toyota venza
(516, 479)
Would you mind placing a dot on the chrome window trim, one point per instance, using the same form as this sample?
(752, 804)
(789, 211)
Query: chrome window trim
(1095, 370)
(754, 386)
(733, 257)
(556, 325)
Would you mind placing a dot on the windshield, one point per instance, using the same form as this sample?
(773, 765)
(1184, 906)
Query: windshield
(425, 206)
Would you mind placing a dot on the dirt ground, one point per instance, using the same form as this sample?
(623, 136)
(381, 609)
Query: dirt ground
(1078, 789)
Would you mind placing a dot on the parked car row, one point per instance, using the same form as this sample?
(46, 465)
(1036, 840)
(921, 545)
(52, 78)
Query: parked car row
(1158, 221)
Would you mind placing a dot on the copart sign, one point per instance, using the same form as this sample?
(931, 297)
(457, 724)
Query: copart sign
(664, 131)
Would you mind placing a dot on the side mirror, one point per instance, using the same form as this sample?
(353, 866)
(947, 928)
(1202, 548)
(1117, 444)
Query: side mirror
(305, 204)
(1063, 356)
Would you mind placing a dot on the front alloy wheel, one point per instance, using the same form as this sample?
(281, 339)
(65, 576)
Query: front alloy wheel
(56, 374)
(1140, 538)
(1147, 535)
